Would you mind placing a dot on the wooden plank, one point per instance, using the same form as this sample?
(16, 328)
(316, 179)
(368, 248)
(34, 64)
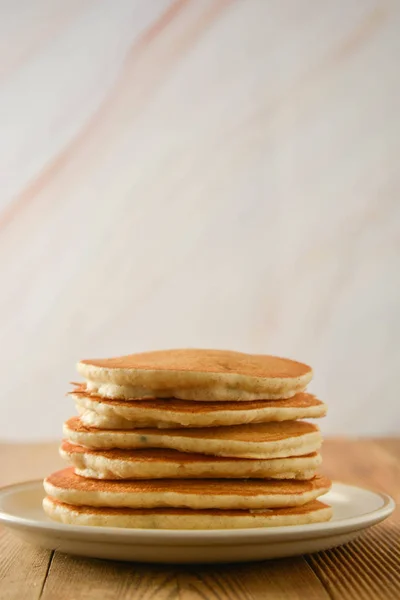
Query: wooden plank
(391, 445)
(283, 579)
(23, 568)
(363, 569)
(79, 577)
(71, 577)
(369, 566)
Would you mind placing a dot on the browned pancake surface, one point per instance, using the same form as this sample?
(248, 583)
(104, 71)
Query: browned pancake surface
(302, 400)
(258, 432)
(206, 361)
(269, 512)
(67, 479)
(160, 455)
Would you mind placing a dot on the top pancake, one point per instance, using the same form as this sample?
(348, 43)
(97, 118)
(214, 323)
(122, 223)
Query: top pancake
(194, 374)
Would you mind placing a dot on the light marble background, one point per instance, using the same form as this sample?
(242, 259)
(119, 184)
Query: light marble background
(200, 173)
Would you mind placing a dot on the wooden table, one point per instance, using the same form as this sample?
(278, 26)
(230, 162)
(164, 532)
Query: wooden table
(366, 568)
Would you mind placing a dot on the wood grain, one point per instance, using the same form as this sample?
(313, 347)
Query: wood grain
(23, 568)
(75, 577)
(72, 577)
(366, 569)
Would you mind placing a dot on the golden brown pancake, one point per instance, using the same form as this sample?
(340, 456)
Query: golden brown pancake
(185, 518)
(162, 463)
(66, 486)
(260, 440)
(121, 414)
(196, 374)
(261, 431)
(301, 400)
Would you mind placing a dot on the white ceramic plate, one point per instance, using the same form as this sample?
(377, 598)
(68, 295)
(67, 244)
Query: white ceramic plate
(354, 509)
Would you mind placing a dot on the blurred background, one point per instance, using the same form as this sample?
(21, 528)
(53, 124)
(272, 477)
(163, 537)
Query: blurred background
(207, 173)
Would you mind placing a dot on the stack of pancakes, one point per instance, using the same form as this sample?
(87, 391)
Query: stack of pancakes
(191, 439)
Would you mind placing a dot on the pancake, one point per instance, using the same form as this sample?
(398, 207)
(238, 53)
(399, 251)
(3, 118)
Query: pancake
(261, 440)
(120, 414)
(66, 486)
(172, 518)
(194, 374)
(161, 463)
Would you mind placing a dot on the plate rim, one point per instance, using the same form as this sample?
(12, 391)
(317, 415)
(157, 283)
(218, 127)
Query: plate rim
(197, 536)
